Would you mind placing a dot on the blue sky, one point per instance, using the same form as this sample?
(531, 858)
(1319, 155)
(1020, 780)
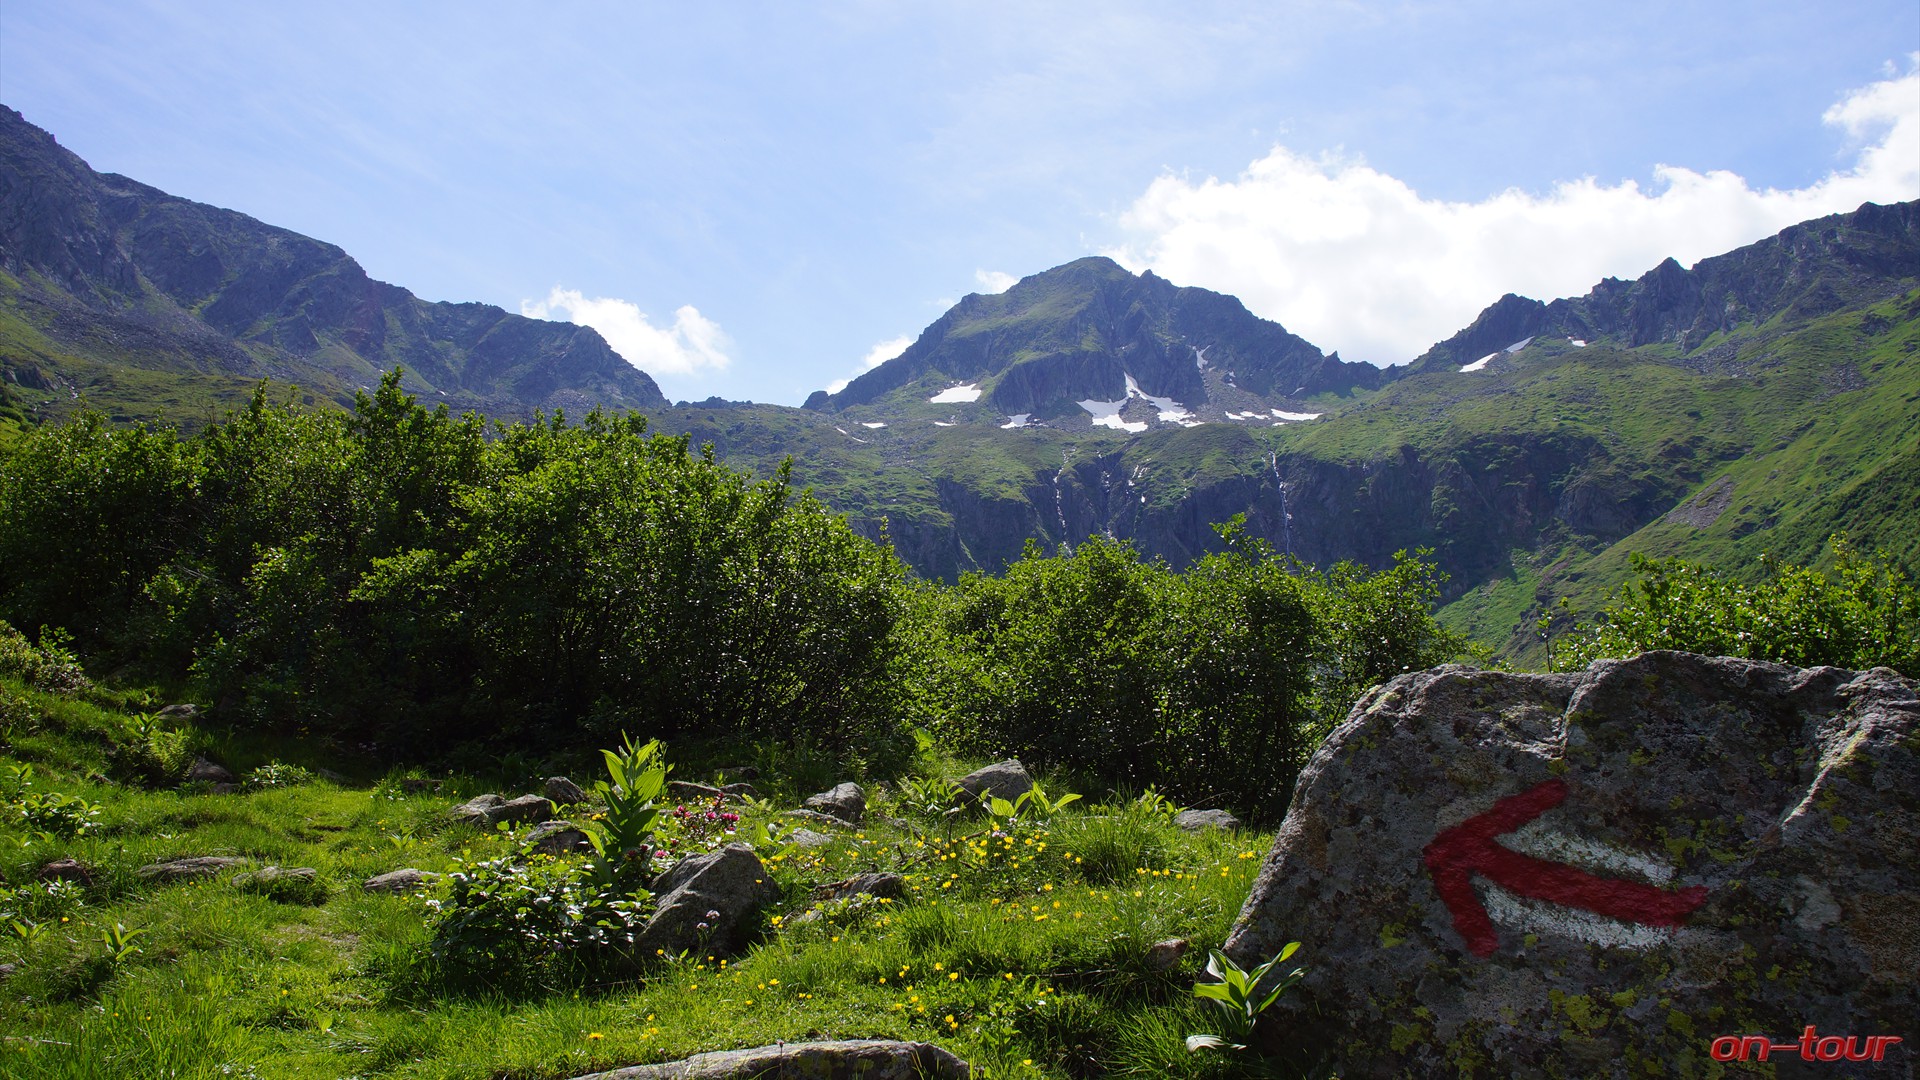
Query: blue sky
(755, 200)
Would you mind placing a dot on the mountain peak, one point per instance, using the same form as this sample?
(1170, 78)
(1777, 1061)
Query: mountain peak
(1076, 343)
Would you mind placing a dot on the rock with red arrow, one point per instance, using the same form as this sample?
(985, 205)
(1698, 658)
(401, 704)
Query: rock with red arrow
(1594, 873)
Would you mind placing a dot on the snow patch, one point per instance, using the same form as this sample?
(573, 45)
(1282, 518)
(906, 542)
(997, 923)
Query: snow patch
(1576, 343)
(1518, 345)
(1107, 414)
(1479, 364)
(1285, 415)
(873, 424)
(954, 394)
(941, 423)
(1017, 420)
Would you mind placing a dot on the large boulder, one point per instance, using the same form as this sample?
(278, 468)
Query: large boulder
(857, 1059)
(490, 809)
(846, 802)
(1610, 873)
(706, 901)
(564, 792)
(1002, 780)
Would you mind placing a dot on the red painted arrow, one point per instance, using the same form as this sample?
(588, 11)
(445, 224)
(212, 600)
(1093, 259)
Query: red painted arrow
(1468, 849)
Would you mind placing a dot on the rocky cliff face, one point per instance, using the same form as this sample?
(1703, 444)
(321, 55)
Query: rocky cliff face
(1807, 270)
(178, 285)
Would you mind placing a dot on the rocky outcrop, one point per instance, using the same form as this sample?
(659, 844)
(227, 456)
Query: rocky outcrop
(865, 1059)
(1598, 873)
(490, 809)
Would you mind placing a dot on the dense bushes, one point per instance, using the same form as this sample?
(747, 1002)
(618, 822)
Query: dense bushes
(402, 577)
(393, 574)
(1863, 612)
(1211, 685)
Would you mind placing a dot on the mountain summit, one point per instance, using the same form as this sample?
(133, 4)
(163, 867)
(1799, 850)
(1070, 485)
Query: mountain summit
(94, 266)
(1090, 343)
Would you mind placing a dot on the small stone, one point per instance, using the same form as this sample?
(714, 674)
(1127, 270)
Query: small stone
(815, 817)
(892, 886)
(404, 880)
(558, 838)
(846, 802)
(186, 711)
(188, 866)
(267, 875)
(208, 772)
(564, 792)
(478, 809)
(1196, 820)
(524, 808)
(1165, 955)
(807, 838)
(68, 869)
(687, 790)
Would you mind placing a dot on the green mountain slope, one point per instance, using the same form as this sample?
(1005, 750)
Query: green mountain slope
(100, 275)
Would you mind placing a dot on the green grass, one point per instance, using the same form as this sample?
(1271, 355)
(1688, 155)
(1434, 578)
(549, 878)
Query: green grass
(1023, 953)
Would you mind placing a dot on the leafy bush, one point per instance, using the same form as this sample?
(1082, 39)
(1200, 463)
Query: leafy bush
(275, 774)
(150, 754)
(1212, 684)
(50, 665)
(1862, 612)
(508, 924)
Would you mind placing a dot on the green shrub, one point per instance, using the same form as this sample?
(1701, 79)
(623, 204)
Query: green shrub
(275, 774)
(1863, 612)
(50, 665)
(284, 887)
(512, 924)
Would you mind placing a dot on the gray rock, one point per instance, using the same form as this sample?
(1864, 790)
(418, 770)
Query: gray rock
(1165, 955)
(689, 791)
(846, 802)
(208, 772)
(188, 866)
(742, 788)
(815, 817)
(807, 838)
(1739, 853)
(181, 712)
(858, 889)
(558, 838)
(1196, 820)
(888, 885)
(490, 809)
(524, 808)
(267, 876)
(706, 898)
(478, 809)
(404, 880)
(861, 1059)
(1003, 780)
(564, 792)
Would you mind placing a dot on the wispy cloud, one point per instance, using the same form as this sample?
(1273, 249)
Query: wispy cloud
(1356, 260)
(693, 343)
(995, 281)
(881, 352)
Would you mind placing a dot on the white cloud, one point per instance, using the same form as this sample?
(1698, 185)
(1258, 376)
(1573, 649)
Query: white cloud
(1356, 260)
(995, 281)
(693, 343)
(881, 352)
